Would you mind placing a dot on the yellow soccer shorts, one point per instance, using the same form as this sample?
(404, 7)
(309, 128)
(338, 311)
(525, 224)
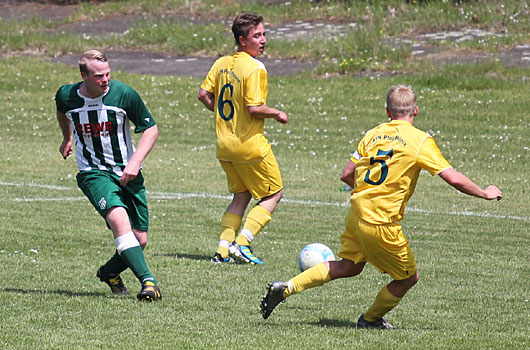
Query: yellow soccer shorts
(383, 246)
(261, 178)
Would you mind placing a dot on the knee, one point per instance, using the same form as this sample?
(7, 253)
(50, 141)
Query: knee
(416, 278)
(241, 199)
(412, 280)
(354, 269)
(117, 216)
(277, 197)
(141, 236)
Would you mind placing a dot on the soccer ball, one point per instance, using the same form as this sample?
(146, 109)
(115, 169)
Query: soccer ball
(313, 254)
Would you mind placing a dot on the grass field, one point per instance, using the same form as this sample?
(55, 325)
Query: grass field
(472, 254)
(199, 27)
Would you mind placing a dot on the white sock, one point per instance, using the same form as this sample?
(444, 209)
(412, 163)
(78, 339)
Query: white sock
(126, 241)
(247, 234)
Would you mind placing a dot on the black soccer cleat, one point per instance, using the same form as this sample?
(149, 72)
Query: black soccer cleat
(149, 292)
(381, 323)
(115, 283)
(273, 297)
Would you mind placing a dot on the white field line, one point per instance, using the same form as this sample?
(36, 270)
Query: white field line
(32, 184)
(51, 199)
(180, 196)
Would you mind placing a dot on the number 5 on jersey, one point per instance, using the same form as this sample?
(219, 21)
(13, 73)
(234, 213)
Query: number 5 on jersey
(223, 101)
(384, 167)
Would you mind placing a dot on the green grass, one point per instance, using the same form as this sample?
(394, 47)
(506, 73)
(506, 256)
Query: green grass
(199, 27)
(472, 254)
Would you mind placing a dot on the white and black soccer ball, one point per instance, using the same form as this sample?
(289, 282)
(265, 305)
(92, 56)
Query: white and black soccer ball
(313, 254)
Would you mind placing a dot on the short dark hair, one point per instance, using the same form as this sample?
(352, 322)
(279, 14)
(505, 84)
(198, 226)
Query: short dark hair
(90, 55)
(242, 24)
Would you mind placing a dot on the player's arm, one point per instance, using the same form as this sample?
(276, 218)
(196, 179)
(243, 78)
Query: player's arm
(348, 174)
(465, 185)
(145, 145)
(207, 98)
(66, 128)
(263, 111)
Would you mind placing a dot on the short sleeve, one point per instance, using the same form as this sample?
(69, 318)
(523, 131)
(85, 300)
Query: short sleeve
(430, 158)
(359, 152)
(256, 88)
(59, 101)
(209, 82)
(138, 113)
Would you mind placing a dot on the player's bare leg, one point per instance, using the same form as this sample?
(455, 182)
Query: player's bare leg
(118, 220)
(343, 268)
(399, 288)
(239, 203)
(271, 202)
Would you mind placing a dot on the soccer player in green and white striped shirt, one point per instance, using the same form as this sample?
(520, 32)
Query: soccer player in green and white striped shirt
(95, 114)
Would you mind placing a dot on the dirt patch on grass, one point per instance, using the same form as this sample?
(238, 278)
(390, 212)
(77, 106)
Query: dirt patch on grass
(165, 64)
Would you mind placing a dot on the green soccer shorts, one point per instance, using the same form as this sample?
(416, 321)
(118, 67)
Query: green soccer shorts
(104, 191)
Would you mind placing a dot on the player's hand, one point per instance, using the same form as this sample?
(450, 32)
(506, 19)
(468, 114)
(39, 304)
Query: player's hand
(492, 192)
(281, 118)
(129, 173)
(66, 148)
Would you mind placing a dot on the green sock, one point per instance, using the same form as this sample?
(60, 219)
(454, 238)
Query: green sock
(114, 266)
(134, 258)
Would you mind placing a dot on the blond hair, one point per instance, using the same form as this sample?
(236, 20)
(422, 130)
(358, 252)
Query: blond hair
(401, 100)
(90, 55)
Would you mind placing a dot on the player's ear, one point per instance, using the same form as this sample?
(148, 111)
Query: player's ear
(416, 110)
(242, 41)
(388, 113)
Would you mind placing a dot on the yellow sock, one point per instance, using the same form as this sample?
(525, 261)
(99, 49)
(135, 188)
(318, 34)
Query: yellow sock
(313, 277)
(230, 225)
(384, 302)
(257, 218)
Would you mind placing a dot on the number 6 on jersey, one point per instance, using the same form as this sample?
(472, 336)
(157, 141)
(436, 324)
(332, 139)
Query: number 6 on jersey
(222, 102)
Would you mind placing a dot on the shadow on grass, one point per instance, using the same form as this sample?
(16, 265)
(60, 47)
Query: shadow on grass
(326, 322)
(198, 257)
(186, 256)
(58, 292)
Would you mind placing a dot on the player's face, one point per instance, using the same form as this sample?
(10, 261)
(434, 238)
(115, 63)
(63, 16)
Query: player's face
(254, 43)
(98, 77)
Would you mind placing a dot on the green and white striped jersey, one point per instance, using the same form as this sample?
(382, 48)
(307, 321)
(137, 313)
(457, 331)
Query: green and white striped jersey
(101, 125)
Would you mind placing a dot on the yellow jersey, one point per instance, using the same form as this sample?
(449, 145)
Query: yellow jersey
(238, 81)
(388, 162)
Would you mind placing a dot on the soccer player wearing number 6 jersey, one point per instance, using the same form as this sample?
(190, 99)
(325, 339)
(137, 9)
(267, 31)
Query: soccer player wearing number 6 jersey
(95, 113)
(235, 89)
(382, 172)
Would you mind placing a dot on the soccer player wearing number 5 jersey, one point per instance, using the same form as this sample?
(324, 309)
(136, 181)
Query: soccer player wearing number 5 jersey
(235, 89)
(382, 172)
(95, 113)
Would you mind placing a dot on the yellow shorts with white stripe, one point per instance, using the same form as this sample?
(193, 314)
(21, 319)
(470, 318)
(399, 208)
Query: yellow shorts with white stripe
(383, 246)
